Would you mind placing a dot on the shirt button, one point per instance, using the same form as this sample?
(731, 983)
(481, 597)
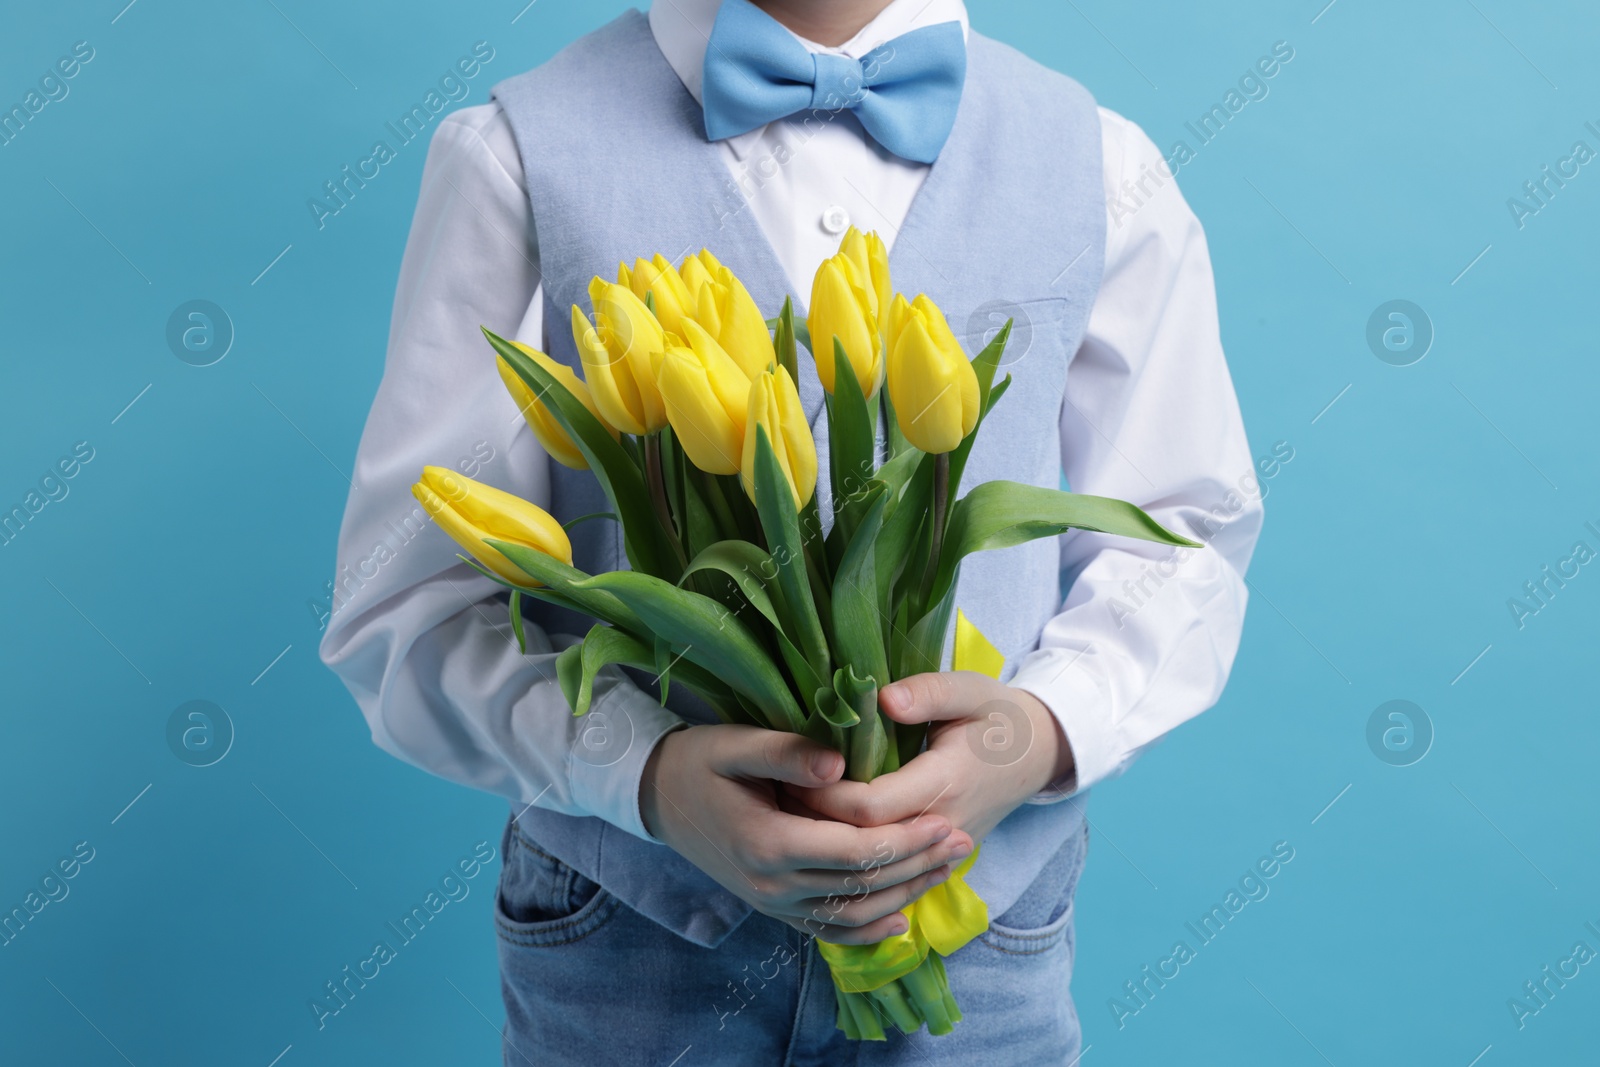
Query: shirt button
(835, 220)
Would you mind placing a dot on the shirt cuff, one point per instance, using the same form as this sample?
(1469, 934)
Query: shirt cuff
(609, 752)
(1075, 697)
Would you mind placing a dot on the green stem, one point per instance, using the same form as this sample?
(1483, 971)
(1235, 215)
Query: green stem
(941, 504)
(845, 1020)
(938, 517)
(896, 440)
(927, 993)
(864, 1016)
(891, 1001)
(746, 520)
(867, 742)
(658, 495)
(908, 741)
(727, 525)
(811, 535)
(922, 996)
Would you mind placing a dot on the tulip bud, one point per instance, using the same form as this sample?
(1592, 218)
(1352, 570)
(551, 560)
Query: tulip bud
(707, 397)
(551, 434)
(871, 259)
(775, 407)
(844, 307)
(661, 280)
(698, 270)
(931, 382)
(470, 512)
(725, 308)
(619, 351)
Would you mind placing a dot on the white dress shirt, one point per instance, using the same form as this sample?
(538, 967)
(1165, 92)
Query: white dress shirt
(1145, 638)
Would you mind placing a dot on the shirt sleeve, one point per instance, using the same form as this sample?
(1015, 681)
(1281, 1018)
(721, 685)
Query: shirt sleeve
(1147, 634)
(422, 641)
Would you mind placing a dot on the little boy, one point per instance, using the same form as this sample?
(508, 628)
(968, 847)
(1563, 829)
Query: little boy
(664, 876)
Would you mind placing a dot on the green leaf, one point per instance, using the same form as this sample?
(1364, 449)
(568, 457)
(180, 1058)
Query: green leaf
(747, 523)
(858, 615)
(617, 613)
(751, 569)
(984, 366)
(712, 491)
(570, 523)
(672, 474)
(923, 648)
(696, 516)
(896, 548)
(783, 340)
(712, 691)
(833, 710)
(709, 635)
(868, 741)
(851, 444)
(516, 621)
(813, 537)
(818, 728)
(987, 361)
(781, 524)
(997, 392)
(899, 636)
(720, 698)
(756, 576)
(646, 543)
(569, 672)
(664, 663)
(899, 471)
(602, 646)
(562, 585)
(605, 645)
(1000, 514)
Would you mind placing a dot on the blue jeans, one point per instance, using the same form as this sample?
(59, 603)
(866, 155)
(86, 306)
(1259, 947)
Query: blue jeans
(588, 981)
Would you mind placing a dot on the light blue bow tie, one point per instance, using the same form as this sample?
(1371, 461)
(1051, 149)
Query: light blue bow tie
(905, 91)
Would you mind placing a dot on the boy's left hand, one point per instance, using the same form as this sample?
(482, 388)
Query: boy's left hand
(990, 747)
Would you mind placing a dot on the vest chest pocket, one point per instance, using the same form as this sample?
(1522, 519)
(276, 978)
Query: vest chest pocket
(1023, 443)
(1029, 318)
(542, 901)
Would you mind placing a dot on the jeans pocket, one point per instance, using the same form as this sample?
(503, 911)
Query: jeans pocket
(1041, 918)
(542, 901)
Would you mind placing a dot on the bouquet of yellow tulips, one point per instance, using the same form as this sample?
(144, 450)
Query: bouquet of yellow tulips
(688, 414)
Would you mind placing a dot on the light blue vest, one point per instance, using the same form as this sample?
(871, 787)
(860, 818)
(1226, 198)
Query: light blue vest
(1010, 223)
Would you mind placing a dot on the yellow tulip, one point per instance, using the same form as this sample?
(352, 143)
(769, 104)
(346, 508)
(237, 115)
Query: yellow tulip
(775, 407)
(660, 279)
(867, 252)
(725, 308)
(931, 382)
(843, 306)
(470, 511)
(707, 397)
(544, 425)
(619, 351)
(699, 269)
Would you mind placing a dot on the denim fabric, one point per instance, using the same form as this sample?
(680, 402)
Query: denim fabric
(590, 982)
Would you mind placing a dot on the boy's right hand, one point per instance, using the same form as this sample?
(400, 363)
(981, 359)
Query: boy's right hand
(712, 794)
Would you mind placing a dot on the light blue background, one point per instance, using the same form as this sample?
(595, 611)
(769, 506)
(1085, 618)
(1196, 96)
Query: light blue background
(185, 555)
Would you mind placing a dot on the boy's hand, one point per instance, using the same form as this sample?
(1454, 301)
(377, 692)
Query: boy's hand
(712, 794)
(990, 747)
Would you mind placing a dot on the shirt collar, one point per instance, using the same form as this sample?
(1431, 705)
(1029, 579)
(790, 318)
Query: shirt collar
(682, 28)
